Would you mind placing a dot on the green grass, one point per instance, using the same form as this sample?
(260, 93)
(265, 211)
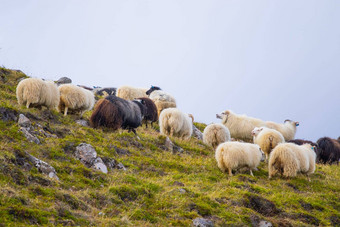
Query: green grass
(148, 192)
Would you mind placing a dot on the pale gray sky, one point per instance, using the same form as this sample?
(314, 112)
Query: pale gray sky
(273, 60)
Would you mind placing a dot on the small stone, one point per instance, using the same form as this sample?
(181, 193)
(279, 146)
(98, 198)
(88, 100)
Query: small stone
(121, 166)
(64, 80)
(43, 167)
(24, 121)
(169, 144)
(202, 222)
(265, 224)
(182, 191)
(99, 165)
(82, 123)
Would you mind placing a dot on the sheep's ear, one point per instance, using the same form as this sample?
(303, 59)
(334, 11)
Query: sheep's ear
(297, 123)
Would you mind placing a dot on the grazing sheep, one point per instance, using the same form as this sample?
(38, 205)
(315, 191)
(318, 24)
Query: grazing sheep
(151, 111)
(131, 93)
(161, 99)
(37, 92)
(75, 98)
(114, 112)
(173, 122)
(236, 155)
(290, 159)
(240, 126)
(267, 139)
(105, 91)
(301, 142)
(215, 134)
(287, 129)
(329, 150)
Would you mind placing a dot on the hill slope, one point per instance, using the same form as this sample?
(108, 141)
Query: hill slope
(158, 187)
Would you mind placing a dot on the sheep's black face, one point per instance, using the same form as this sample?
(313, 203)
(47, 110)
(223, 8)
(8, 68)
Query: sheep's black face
(153, 88)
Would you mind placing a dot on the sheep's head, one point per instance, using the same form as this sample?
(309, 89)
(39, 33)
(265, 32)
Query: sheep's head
(153, 88)
(256, 131)
(295, 123)
(142, 105)
(224, 116)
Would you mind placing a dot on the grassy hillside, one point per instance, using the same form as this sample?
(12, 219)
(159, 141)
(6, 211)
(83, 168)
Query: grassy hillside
(158, 187)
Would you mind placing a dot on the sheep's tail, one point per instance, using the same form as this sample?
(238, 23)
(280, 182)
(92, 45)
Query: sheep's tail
(219, 158)
(106, 114)
(283, 160)
(19, 93)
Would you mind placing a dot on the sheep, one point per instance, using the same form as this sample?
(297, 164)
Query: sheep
(37, 92)
(215, 134)
(131, 93)
(151, 111)
(240, 126)
(329, 150)
(301, 142)
(75, 98)
(161, 99)
(287, 129)
(114, 113)
(173, 122)
(267, 139)
(236, 155)
(290, 159)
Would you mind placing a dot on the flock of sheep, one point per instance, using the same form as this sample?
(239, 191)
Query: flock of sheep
(239, 140)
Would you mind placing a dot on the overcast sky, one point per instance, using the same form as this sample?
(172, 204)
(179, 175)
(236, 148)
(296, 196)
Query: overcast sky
(273, 60)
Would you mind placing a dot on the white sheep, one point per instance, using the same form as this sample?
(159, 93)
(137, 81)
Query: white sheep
(75, 98)
(37, 92)
(236, 155)
(290, 159)
(287, 129)
(173, 122)
(240, 126)
(215, 134)
(161, 99)
(267, 139)
(131, 93)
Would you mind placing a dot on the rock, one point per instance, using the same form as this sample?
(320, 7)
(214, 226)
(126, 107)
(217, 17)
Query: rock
(29, 136)
(99, 165)
(86, 154)
(64, 80)
(121, 166)
(82, 123)
(172, 147)
(24, 121)
(110, 162)
(265, 224)
(121, 151)
(202, 222)
(182, 191)
(105, 91)
(197, 133)
(43, 167)
(8, 114)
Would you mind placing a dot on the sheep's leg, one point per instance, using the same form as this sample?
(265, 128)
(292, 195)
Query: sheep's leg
(65, 111)
(27, 105)
(230, 173)
(251, 172)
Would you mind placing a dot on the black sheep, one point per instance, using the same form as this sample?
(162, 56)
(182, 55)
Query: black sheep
(329, 150)
(151, 111)
(114, 112)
